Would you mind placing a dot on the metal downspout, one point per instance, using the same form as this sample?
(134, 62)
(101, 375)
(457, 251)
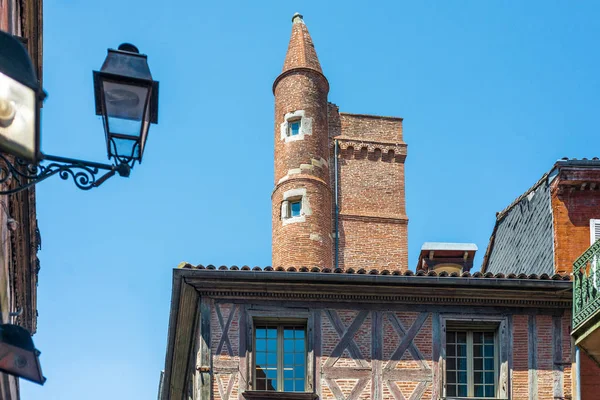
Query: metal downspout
(577, 373)
(337, 210)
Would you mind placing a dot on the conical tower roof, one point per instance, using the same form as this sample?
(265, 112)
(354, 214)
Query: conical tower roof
(301, 50)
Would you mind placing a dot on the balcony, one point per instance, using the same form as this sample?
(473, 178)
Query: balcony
(586, 301)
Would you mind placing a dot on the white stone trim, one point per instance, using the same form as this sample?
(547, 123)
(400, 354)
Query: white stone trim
(290, 195)
(305, 126)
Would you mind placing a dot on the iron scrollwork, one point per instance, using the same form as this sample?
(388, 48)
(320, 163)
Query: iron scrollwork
(19, 175)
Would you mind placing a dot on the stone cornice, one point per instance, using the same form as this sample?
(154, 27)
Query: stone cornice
(384, 150)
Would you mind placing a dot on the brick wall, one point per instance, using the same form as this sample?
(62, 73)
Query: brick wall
(573, 205)
(590, 377)
(372, 211)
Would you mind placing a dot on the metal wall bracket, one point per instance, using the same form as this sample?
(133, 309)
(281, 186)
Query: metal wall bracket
(19, 175)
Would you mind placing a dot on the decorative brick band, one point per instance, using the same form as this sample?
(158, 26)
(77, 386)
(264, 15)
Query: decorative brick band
(302, 177)
(301, 69)
(374, 218)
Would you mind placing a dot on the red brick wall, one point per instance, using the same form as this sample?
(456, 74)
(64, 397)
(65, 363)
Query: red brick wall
(572, 210)
(372, 210)
(520, 351)
(590, 377)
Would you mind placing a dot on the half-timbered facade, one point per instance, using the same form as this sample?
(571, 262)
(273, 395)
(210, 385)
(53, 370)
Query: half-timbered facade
(367, 335)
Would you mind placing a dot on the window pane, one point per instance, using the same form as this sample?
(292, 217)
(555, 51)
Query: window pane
(489, 364)
(294, 127)
(477, 351)
(461, 337)
(299, 333)
(489, 337)
(299, 346)
(489, 377)
(461, 350)
(261, 333)
(299, 372)
(261, 384)
(489, 350)
(462, 364)
(288, 373)
(295, 208)
(478, 377)
(288, 332)
(272, 345)
(451, 350)
(261, 345)
(261, 359)
(299, 359)
(272, 333)
(272, 359)
(489, 391)
(299, 386)
(288, 346)
(478, 364)
(450, 337)
(288, 386)
(479, 391)
(451, 364)
(288, 359)
(462, 390)
(451, 377)
(451, 390)
(477, 337)
(462, 377)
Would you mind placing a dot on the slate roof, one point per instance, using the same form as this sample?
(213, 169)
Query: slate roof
(363, 271)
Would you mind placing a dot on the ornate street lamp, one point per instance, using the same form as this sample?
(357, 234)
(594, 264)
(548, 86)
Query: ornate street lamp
(126, 98)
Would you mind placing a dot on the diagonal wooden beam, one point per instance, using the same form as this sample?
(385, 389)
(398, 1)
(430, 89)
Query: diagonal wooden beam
(407, 340)
(225, 329)
(394, 390)
(335, 389)
(358, 389)
(346, 338)
(418, 392)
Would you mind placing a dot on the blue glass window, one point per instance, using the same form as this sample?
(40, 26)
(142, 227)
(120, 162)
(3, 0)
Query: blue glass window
(295, 207)
(280, 361)
(294, 127)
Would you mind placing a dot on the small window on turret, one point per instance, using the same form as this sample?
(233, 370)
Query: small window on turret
(295, 208)
(294, 127)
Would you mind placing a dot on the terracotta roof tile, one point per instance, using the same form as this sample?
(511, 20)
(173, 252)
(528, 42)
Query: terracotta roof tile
(363, 271)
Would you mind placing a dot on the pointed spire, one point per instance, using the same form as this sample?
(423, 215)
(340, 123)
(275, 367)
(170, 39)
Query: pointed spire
(301, 50)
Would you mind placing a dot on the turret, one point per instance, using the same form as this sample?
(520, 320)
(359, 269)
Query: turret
(301, 199)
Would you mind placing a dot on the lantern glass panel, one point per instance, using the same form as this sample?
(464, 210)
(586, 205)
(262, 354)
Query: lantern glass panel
(18, 125)
(125, 105)
(125, 148)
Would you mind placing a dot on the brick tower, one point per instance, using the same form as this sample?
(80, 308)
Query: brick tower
(301, 200)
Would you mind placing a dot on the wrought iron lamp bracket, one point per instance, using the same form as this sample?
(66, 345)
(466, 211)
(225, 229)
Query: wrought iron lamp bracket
(85, 174)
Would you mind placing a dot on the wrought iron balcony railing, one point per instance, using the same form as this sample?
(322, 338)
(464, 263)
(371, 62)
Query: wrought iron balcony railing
(586, 291)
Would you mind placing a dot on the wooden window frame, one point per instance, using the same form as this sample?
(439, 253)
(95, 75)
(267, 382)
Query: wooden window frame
(474, 322)
(280, 316)
(469, 330)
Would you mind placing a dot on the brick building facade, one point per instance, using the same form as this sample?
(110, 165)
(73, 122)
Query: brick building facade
(19, 234)
(339, 315)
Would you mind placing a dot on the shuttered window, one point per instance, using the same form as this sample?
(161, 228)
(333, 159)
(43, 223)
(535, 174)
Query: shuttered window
(594, 230)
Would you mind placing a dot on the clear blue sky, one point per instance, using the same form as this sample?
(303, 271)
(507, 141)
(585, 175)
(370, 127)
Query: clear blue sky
(492, 93)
